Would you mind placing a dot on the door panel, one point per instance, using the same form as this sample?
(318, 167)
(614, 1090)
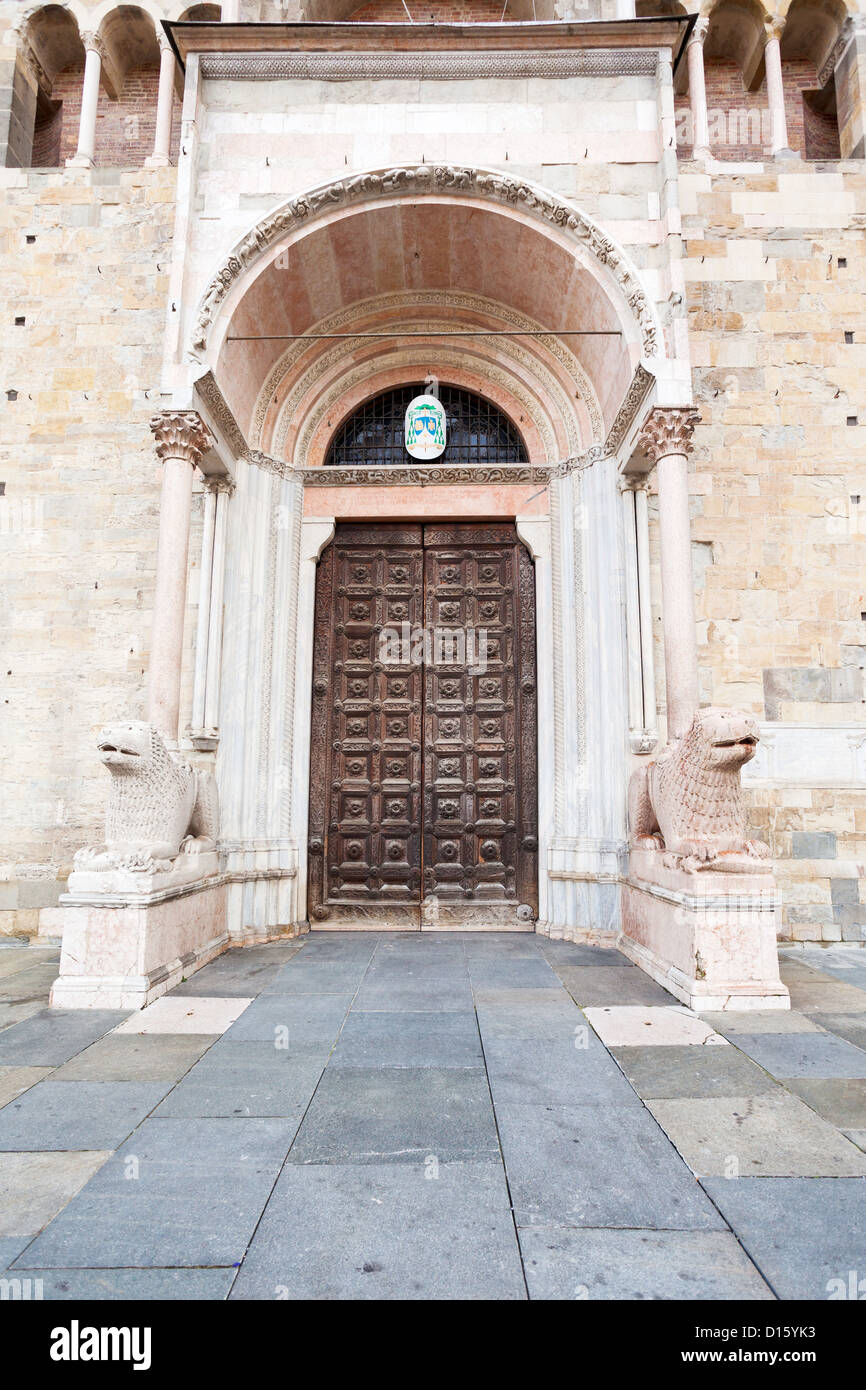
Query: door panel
(424, 775)
(365, 849)
(477, 867)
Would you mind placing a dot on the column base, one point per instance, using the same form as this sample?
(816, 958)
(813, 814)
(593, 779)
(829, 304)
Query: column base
(707, 937)
(79, 161)
(125, 955)
(786, 153)
(157, 161)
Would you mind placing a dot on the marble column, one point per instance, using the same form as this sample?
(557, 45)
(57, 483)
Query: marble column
(698, 90)
(775, 90)
(231, 11)
(162, 138)
(181, 440)
(666, 440)
(94, 57)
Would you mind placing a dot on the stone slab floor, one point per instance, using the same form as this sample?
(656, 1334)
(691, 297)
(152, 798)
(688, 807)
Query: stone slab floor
(358, 1116)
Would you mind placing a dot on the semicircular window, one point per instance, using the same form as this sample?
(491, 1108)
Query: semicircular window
(478, 431)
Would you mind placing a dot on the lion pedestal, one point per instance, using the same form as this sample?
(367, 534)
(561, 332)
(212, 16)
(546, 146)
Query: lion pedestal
(699, 904)
(148, 906)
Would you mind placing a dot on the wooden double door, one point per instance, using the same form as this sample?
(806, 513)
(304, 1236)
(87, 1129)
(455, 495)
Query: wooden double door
(423, 798)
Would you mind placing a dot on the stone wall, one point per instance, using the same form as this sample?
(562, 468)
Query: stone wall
(84, 261)
(776, 274)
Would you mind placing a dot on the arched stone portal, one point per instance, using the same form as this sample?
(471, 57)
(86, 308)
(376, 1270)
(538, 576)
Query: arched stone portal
(368, 285)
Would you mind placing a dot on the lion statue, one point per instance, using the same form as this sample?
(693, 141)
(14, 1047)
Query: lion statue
(158, 805)
(689, 802)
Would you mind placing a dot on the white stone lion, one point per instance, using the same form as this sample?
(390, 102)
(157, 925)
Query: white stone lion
(158, 805)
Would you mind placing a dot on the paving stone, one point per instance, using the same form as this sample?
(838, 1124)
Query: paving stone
(308, 1020)
(804, 1054)
(802, 1233)
(502, 946)
(576, 953)
(137, 1057)
(186, 1014)
(65, 1115)
(808, 998)
(846, 965)
(406, 1231)
(848, 1026)
(598, 985)
(15, 1080)
(527, 1013)
(244, 1079)
(409, 1039)
(562, 1263)
(773, 1135)
(34, 1187)
(841, 1100)
(16, 1013)
(198, 1191)
(451, 994)
(125, 1285)
(242, 972)
(511, 973)
(317, 977)
(52, 1036)
(857, 1136)
(798, 968)
(10, 1247)
(33, 983)
(732, 1022)
(15, 959)
(547, 1072)
(638, 1026)
(608, 1166)
(398, 1115)
(671, 1072)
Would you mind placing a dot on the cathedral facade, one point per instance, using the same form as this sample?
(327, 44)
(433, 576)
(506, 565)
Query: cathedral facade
(352, 661)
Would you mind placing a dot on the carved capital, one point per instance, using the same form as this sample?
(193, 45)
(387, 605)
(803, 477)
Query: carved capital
(699, 33)
(162, 40)
(668, 431)
(218, 482)
(93, 43)
(181, 434)
(774, 25)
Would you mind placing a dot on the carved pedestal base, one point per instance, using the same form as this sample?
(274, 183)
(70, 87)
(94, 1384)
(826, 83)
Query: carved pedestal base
(709, 938)
(120, 954)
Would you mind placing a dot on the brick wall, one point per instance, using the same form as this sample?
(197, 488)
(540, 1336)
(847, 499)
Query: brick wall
(442, 11)
(739, 119)
(125, 128)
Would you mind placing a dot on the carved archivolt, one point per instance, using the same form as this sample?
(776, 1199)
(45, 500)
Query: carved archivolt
(450, 301)
(426, 179)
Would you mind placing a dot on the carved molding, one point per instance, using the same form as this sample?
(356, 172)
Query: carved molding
(181, 434)
(428, 474)
(451, 302)
(853, 26)
(627, 413)
(213, 398)
(668, 430)
(264, 67)
(425, 179)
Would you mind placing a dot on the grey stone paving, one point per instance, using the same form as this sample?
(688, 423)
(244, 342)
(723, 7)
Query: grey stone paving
(431, 1116)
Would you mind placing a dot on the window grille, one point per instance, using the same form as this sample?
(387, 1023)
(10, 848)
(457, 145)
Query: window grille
(478, 431)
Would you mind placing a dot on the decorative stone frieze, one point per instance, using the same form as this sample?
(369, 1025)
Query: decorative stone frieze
(668, 430)
(627, 413)
(223, 417)
(265, 67)
(181, 434)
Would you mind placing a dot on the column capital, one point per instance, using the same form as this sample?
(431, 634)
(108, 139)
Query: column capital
(219, 482)
(163, 41)
(93, 43)
(668, 430)
(699, 33)
(774, 25)
(181, 434)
